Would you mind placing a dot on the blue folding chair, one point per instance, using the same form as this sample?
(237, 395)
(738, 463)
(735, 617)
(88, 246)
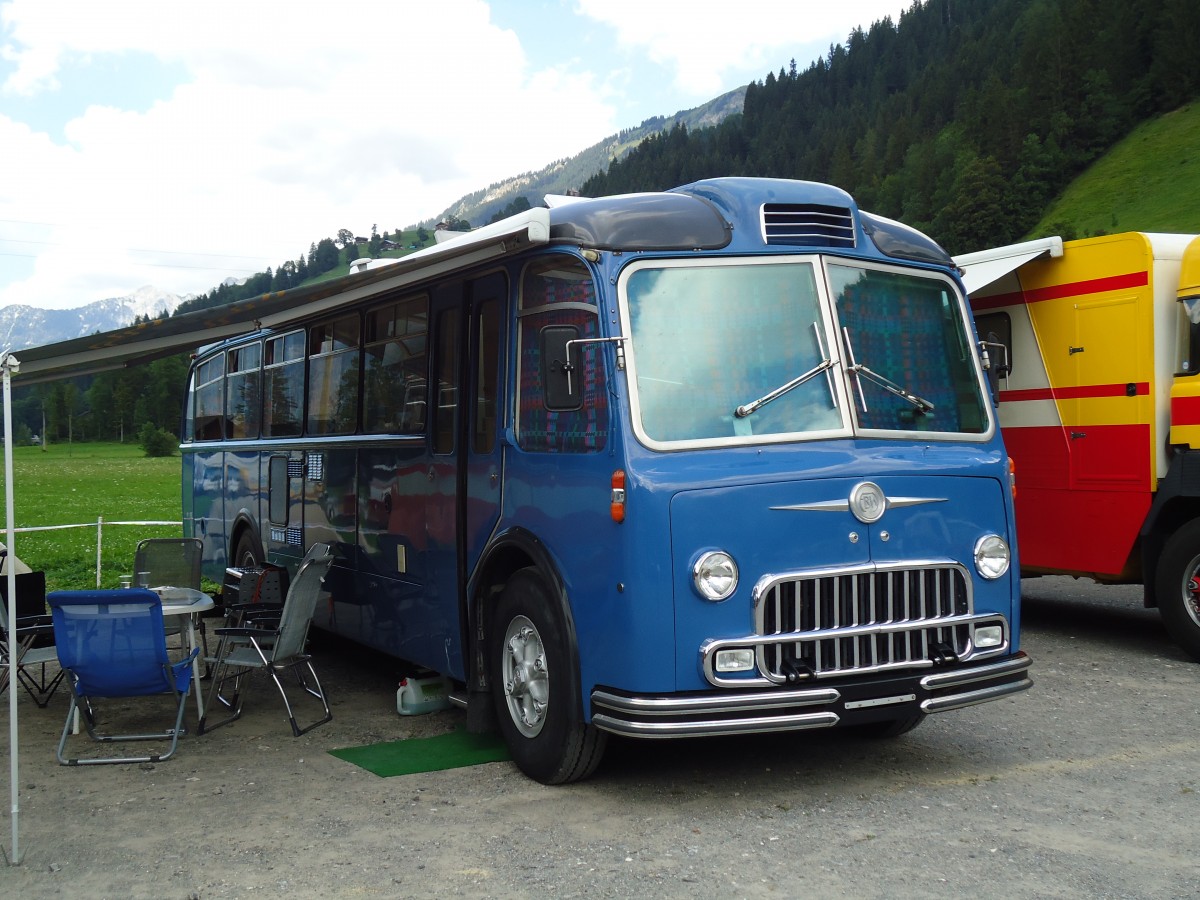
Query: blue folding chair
(112, 644)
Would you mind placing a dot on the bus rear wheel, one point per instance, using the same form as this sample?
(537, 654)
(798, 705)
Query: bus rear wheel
(529, 662)
(1178, 587)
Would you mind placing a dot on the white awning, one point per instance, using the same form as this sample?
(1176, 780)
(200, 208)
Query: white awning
(147, 341)
(987, 266)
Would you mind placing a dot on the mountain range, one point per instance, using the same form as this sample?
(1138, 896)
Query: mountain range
(26, 326)
(567, 174)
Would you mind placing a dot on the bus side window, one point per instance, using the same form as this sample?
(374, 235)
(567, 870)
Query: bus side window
(394, 360)
(283, 385)
(487, 387)
(333, 376)
(557, 298)
(209, 396)
(243, 386)
(445, 390)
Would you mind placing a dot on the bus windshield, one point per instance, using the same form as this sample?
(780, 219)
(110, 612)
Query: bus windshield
(729, 351)
(906, 352)
(740, 351)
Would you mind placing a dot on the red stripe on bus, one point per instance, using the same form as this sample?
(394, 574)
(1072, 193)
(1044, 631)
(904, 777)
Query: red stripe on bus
(1058, 291)
(1185, 410)
(1081, 392)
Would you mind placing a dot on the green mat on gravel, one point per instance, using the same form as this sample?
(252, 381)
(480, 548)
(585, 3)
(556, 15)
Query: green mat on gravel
(445, 751)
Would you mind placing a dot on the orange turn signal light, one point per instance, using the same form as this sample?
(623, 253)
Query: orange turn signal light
(616, 507)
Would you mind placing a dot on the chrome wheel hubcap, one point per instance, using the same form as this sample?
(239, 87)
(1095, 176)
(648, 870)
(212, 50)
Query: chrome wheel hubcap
(526, 680)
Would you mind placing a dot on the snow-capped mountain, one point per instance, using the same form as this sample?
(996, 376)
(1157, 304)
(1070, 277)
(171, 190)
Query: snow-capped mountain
(26, 326)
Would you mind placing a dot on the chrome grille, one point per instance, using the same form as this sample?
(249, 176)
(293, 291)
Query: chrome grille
(807, 224)
(861, 621)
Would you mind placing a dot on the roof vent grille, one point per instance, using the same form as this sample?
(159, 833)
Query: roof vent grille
(807, 224)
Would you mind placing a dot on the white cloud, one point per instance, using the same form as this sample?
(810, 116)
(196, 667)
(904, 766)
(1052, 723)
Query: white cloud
(703, 41)
(296, 119)
(290, 119)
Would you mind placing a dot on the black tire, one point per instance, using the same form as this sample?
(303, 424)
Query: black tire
(889, 728)
(247, 555)
(1177, 585)
(530, 669)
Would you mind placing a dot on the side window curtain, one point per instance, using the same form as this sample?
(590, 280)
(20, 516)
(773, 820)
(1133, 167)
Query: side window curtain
(555, 292)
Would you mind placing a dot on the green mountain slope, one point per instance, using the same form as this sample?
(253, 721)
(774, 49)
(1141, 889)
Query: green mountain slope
(1149, 181)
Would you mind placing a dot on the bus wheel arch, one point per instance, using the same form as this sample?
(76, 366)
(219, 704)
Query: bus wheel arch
(1177, 586)
(245, 547)
(534, 678)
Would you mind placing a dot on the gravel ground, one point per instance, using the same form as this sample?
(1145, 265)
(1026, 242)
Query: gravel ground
(1086, 786)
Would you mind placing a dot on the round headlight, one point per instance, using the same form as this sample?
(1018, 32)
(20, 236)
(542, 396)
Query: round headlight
(992, 556)
(715, 575)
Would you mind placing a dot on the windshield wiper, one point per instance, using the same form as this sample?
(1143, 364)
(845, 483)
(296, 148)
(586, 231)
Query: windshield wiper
(858, 369)
(746, 409)
(742, 411)
(922, 405)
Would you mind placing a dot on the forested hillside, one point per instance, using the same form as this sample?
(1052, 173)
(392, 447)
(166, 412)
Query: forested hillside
(965, 118)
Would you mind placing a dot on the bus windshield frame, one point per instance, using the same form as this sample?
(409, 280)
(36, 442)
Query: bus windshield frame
(737, 351)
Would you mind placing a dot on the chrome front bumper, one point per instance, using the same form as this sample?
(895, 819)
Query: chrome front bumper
(850, 702)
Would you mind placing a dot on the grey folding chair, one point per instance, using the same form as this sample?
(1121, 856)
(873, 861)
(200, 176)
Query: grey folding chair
(174, 562)
(274, 646)
(32, 640)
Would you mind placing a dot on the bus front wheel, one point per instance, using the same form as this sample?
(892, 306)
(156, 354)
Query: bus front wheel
(1178, 587)
(538, 715)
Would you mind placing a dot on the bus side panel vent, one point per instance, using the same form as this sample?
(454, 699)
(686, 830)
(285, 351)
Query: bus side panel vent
(316, 466)
(807, 224)
(295, 537)
(295, 468)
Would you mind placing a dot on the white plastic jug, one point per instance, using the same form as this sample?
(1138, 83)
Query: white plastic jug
(417, 696)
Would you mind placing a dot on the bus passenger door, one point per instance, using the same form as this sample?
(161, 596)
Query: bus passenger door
(487, 299)
(465, 456)
(437, 635)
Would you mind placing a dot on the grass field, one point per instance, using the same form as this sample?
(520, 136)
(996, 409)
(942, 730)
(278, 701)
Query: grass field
(80, 483)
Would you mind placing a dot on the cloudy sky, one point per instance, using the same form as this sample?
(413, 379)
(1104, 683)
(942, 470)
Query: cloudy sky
(176, 143)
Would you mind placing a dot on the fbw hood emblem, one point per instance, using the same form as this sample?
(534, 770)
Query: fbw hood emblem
(867, 502)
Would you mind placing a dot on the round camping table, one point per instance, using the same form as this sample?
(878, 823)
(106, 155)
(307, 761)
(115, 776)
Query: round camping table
(180, 601)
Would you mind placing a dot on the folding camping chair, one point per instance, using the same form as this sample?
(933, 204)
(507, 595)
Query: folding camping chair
(33, 638)
(272, 644)
(261, 609)
(112, 644)
(175, 562)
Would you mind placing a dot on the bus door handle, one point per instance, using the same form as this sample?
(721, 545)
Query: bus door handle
(432, 474)
(1075, 435)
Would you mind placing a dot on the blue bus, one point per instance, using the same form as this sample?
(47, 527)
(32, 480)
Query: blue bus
(716, 460)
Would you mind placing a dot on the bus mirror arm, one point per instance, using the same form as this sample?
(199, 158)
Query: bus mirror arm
(994, 372)
(568, 367)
